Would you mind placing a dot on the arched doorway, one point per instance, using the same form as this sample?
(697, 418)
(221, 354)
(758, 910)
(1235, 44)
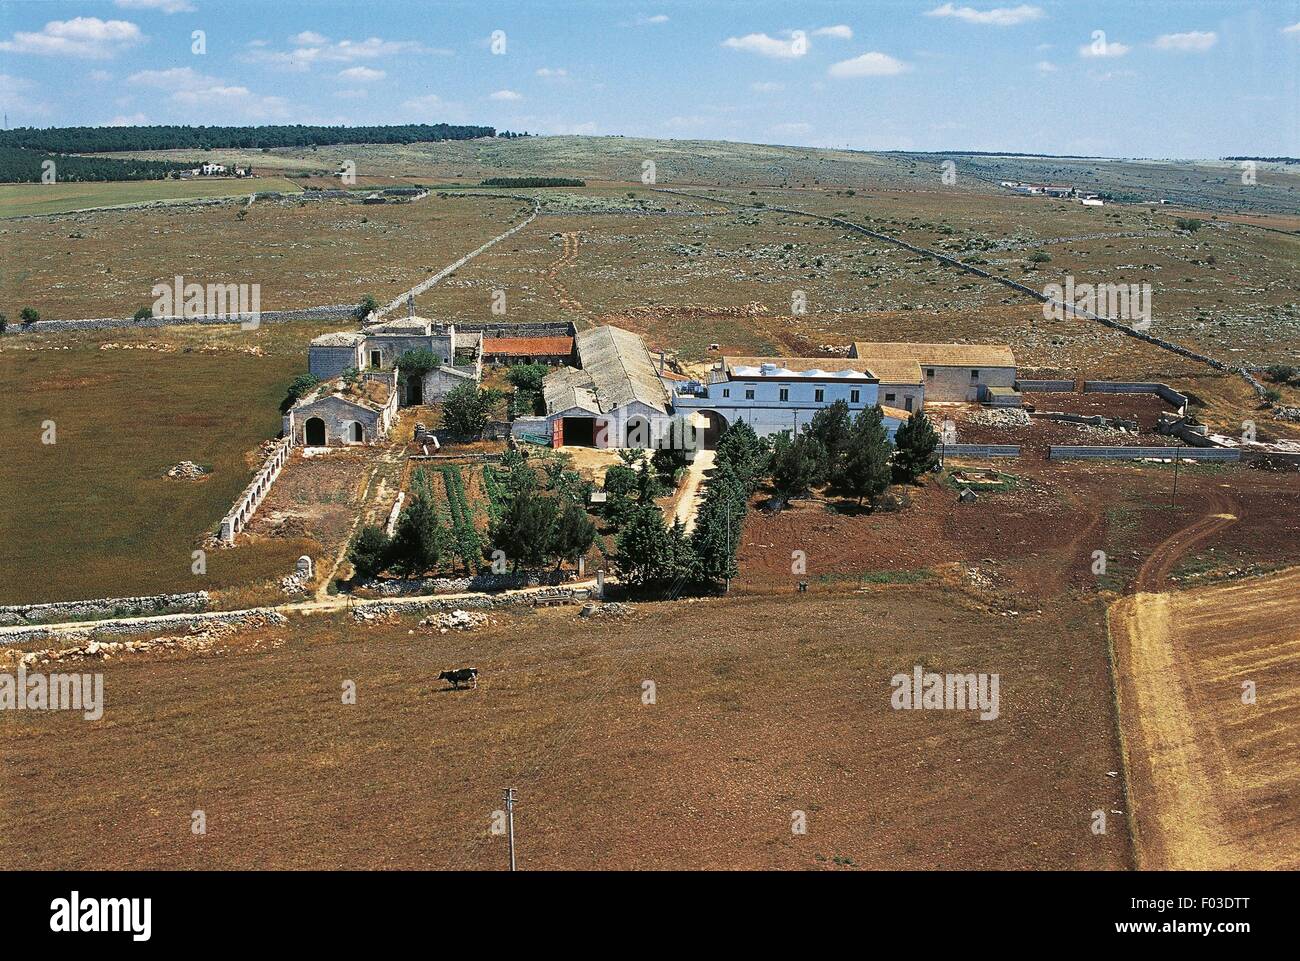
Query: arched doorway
(714, 425)
(314, 432)
(414, 390)
(358, 432)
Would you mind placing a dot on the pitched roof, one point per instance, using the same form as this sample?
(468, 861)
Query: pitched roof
(620, 369)
(528, 345)
(895, 412)
(938, 355)
(894, 371)
(567, 388)
(372, 393)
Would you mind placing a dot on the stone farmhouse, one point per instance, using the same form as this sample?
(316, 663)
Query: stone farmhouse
(336, 414)
(617, 397)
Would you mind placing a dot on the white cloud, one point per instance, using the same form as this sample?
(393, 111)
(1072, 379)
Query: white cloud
(997, 16)
(232, 101)
(308, 38)
(766, 86)
(1045, 66)
(80, 37)
(311, 48)
(173, 78)
(430, 101)
(873, 64)
(506, 95)
(133, 120)
(840, 32)
(1100, 47)
(761, 43)
(1195, 41)
(552, 72)
(644, 21)
(163, 6)
(1293, 30)
(364, 74)
(99, 76)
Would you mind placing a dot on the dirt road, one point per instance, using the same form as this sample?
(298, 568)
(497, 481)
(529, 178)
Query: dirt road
(688, 503)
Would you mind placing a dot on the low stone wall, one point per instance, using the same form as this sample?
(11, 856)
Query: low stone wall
(21, 614)
(542, 597)
(1046, 386)
(1136, 453)
(327, 312)
(146, 624)
(1163, 391)
(485, 582)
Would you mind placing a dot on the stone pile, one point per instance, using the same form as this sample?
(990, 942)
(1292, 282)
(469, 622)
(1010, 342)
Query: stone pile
(187, 470)
(456, 620)
(999, 417)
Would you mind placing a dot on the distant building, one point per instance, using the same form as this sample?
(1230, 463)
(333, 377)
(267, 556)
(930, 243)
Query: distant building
(333, 414)
(949, 372)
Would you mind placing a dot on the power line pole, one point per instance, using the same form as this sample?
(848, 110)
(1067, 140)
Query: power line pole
(509, 796)
(1174, 494)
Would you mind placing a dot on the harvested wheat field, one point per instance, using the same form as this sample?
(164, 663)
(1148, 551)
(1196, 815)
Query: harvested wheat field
(1214, 782)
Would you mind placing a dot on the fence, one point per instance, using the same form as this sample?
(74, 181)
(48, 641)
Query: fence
(1163, 391)
(1134, 453)
(254, 493)
(1046, 386)
(981, 450)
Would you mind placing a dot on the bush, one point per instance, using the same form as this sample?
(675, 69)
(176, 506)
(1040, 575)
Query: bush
(363, 309)
(29, 315)
(466, 409)
(144, 313)
(369, 553)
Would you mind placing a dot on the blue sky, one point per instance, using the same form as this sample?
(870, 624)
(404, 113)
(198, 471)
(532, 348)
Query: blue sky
(1131, 78)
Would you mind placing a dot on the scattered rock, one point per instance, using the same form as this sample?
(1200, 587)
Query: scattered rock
(188, 470)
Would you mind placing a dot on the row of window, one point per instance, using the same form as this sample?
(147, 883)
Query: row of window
(819, 395)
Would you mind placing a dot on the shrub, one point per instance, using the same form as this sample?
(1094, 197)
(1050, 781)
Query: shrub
(144, 313)
(29, 315)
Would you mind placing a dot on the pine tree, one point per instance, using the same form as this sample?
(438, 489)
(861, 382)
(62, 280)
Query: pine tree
(645, 548)
(418, 541)
(866, 462)
(797, 465)
(369, 553)
(574, 533)
(525, 532)
(832, 427)
(915, 443)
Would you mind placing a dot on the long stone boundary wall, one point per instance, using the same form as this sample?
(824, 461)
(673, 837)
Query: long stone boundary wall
(33, 614)
(165, 622)
(1134, 453)
(327, 312)
(982, 450)
(1122, 328)
(239, 516)
(424, 285)
(1163, 391)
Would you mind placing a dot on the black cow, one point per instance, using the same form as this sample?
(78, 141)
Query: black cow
(460, 676)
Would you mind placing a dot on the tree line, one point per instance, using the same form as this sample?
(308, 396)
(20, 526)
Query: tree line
(20, 166)
(184, 136)
(533, 182)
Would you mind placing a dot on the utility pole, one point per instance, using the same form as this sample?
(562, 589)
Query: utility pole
(1174, 494)
(509, 796)
(727, 590)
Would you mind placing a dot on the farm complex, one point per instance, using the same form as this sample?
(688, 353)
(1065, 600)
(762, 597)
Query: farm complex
(589, 502)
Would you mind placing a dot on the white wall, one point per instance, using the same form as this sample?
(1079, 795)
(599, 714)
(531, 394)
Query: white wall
(768, 414)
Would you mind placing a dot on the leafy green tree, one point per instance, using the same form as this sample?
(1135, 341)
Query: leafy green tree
(526, 531)
(667, 461)
(574, 532)
(797, 465)
(915, 448)
(363, 309)
(299, 387)
(29, 315)
(831, 427)
(866, 464)
(741, 448)
(419, 540)
(716, 538)
(369, 553)
(644, 551)
(4, 323)
(144, 313)
(467, 409)
(527, 377)
(417, 362)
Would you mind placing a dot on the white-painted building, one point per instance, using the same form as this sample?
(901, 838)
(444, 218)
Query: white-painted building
(775, 394)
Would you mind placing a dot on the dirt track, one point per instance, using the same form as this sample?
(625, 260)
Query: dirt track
(1213, 781)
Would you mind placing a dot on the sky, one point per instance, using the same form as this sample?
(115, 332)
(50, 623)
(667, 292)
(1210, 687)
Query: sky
(1135, 78)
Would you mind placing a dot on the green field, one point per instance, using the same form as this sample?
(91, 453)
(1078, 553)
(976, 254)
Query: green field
(94, 514)
(20, 200)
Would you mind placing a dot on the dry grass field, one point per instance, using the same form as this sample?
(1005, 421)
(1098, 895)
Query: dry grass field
(302, 253)
(26, 200)
(750, 725)
(1215, 782)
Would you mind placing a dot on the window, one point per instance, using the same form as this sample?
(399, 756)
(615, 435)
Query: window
(889, 398)
(819, 395)
(854, 395)
(974, 375)
(726, 392)
(909, 403)
(749, 393)
(375, 359)
(785, 393)
(929, 372)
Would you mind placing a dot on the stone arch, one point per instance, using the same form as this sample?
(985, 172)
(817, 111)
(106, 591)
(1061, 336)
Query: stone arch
(313, 432)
